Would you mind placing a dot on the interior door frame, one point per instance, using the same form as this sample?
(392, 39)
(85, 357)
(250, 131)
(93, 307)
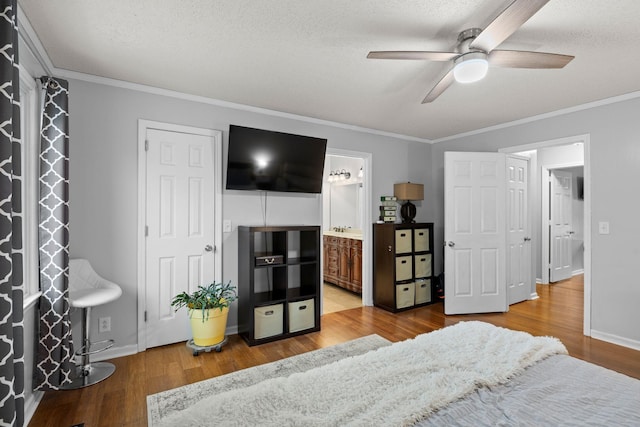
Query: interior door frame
(367, 256)
(585, 140)
(216, 135)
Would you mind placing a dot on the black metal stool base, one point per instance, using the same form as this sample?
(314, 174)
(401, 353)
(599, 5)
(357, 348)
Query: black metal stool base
(97, 372)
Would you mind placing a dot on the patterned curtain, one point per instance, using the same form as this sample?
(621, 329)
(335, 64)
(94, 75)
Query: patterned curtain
(11, 290)
(55, 365)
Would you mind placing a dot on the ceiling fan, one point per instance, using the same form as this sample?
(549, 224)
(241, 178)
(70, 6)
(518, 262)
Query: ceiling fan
(476, 50)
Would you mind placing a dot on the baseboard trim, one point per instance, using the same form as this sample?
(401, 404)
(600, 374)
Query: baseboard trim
(573, 273)
(114, 352)
(534, 295)
(130, 349)
(615, 339)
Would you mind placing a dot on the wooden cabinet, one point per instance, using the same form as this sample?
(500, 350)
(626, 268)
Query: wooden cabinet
(330, 245)
(402, 265)
(356, 265)
(343, 262)
(278, 282)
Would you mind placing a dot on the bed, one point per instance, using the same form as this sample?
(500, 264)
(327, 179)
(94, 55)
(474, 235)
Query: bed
(469, 374)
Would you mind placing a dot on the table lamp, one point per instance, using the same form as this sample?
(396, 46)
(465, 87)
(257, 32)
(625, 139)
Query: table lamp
(407, 191)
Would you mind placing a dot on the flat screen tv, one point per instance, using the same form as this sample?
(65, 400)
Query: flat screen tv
(274, 161)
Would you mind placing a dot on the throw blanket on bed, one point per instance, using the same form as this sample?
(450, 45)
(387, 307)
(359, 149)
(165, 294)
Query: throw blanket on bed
(394, 385)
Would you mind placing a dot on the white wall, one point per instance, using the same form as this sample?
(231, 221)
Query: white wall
(614, 131)
(103, 187)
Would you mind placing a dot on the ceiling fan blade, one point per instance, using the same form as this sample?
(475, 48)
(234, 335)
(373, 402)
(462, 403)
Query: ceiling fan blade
(440, 87)
(527, 59)
(403, 54)
(516, 14)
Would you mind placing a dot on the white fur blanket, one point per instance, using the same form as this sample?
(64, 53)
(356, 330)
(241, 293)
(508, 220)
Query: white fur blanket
(394, 385)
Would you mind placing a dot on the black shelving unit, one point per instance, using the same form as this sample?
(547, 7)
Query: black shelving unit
(278, 282)
(403, 266)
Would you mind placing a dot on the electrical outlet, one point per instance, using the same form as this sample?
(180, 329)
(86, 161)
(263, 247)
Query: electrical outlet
(104, 324)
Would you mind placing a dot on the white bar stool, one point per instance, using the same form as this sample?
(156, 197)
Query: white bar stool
(87, 290)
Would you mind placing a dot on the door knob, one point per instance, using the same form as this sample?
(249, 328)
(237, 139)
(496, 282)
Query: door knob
(451, 244)
(208, 248)
(527, 239)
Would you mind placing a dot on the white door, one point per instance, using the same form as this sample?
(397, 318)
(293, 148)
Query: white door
(561, 226)
(180, 221)
(475, 233)
(519, 277)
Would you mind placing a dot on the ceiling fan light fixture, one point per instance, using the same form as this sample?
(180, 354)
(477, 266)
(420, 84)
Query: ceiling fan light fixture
(470, 67)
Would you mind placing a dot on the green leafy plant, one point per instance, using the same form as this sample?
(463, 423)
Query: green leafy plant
(215, 295)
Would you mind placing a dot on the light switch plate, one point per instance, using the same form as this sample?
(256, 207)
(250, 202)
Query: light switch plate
(226, 226)
(603, 227)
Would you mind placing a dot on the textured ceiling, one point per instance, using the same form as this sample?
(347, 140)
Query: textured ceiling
(309, 57)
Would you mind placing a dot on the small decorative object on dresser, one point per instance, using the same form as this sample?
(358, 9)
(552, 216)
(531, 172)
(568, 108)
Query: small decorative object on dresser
(402, 265)
(388, 208)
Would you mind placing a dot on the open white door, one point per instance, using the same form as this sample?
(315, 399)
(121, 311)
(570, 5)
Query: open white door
(519, 276)
(475, 233)
(180, 221)
(561, 225)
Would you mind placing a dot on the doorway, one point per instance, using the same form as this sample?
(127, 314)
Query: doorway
(563, 221)
(564, 154)
(346, 215)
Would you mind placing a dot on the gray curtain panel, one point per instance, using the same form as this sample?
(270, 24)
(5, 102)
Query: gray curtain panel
(11, 294)
(55, 365)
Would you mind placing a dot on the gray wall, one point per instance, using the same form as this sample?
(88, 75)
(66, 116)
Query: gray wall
(103, 183)
(614, 131)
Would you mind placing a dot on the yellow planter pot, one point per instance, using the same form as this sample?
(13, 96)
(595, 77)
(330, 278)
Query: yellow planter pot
(211, 331)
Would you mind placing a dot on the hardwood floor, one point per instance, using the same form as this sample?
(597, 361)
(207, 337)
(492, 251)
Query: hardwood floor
(121, 399)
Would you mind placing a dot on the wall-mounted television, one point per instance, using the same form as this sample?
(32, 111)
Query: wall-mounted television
(274, 161)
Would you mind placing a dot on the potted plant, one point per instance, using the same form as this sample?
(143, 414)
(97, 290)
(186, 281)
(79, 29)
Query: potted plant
(208, 308)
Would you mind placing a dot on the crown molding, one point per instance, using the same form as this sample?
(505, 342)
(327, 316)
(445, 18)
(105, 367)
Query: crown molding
(562, 112)
(68, 74)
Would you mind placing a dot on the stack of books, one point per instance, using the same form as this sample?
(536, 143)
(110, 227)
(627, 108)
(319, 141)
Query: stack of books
(388, 208)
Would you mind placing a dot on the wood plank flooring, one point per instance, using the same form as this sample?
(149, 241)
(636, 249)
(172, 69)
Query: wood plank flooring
(121, 399)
